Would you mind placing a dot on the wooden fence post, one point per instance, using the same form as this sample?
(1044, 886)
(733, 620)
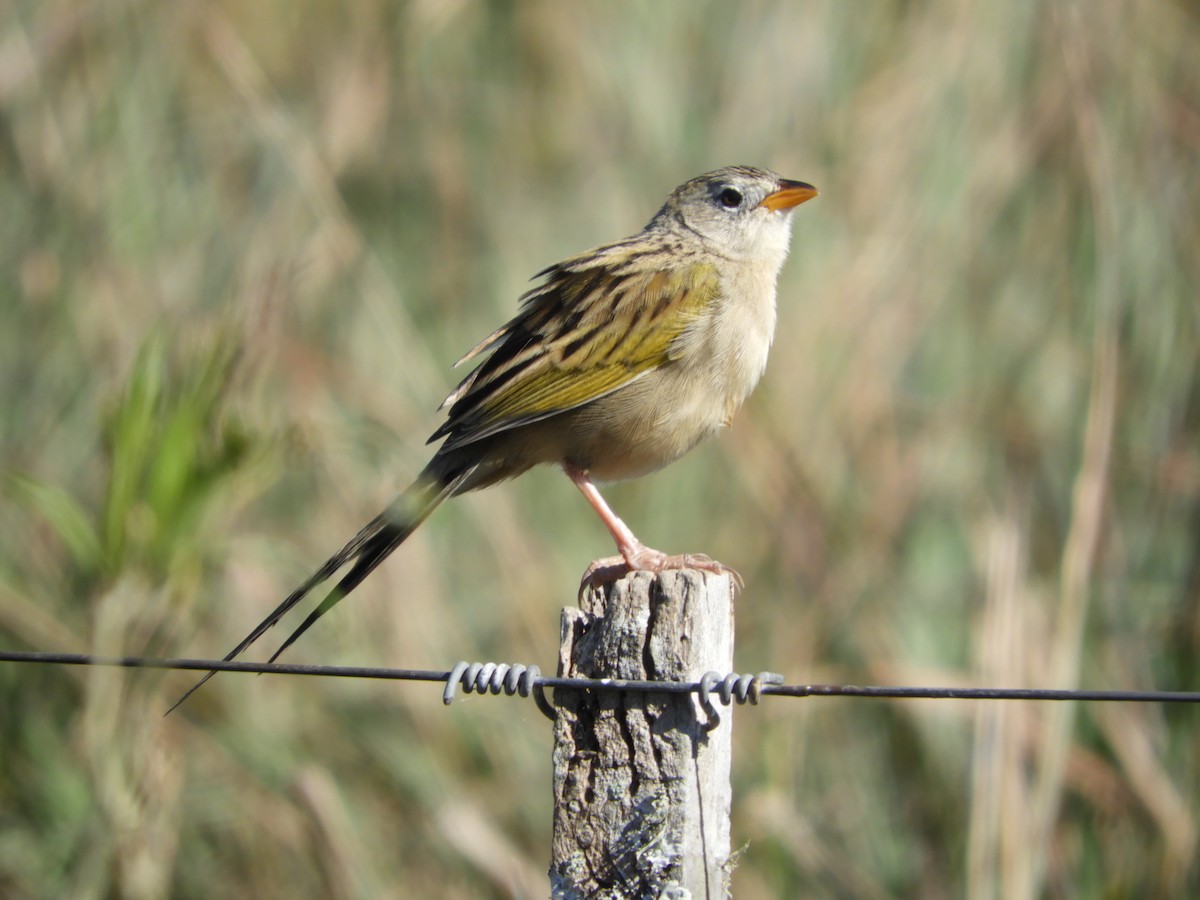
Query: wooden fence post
(641, 787)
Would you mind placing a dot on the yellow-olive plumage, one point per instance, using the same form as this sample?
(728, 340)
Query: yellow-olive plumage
(618, 362)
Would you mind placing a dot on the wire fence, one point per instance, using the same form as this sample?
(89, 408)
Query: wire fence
(496, 678)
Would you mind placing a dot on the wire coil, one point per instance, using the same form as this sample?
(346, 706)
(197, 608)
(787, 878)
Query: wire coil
(495, 678)
(732, 687)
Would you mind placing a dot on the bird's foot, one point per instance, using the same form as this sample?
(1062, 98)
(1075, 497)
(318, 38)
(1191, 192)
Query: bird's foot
(641, 558)
(602, 571)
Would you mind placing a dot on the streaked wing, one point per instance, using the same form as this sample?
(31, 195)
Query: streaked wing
(598, 322)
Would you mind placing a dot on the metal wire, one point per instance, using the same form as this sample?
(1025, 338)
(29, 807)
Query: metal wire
(493, 678)
(733, 686)
(740, 686)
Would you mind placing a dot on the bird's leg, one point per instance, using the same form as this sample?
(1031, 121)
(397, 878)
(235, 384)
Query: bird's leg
(635, 556)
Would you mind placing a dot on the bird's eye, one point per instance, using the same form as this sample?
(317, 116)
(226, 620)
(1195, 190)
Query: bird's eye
(730, 198)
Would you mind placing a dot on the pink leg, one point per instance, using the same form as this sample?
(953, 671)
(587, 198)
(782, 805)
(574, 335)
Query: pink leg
(635, 555)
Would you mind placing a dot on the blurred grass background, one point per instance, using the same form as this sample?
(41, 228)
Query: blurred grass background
(241, 243)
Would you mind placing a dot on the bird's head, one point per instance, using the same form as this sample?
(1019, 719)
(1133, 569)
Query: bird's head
(739, 212)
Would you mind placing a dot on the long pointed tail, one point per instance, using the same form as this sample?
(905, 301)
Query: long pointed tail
(367, 549)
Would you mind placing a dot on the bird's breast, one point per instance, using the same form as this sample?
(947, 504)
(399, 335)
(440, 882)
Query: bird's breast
(666, 412)
(725, 351)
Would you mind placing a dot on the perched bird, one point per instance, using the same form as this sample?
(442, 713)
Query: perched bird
(617, 363)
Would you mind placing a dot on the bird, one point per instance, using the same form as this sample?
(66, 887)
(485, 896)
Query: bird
(619, 361)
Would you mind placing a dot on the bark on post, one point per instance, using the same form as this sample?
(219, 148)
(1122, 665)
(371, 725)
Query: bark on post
(641, 788)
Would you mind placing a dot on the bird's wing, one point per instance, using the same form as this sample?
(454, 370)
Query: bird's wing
(598, 322)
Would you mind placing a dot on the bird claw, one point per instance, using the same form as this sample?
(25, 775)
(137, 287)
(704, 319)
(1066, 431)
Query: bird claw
(644, 559)
(601, 572)
(704, 564)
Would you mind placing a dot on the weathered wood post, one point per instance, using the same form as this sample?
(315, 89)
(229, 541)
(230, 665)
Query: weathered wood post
(641, 787)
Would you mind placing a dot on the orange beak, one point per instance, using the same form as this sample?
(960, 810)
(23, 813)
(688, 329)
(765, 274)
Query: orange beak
(792, 193)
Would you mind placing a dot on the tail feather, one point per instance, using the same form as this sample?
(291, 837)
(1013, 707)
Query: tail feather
(373, 552)
(367, 549)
